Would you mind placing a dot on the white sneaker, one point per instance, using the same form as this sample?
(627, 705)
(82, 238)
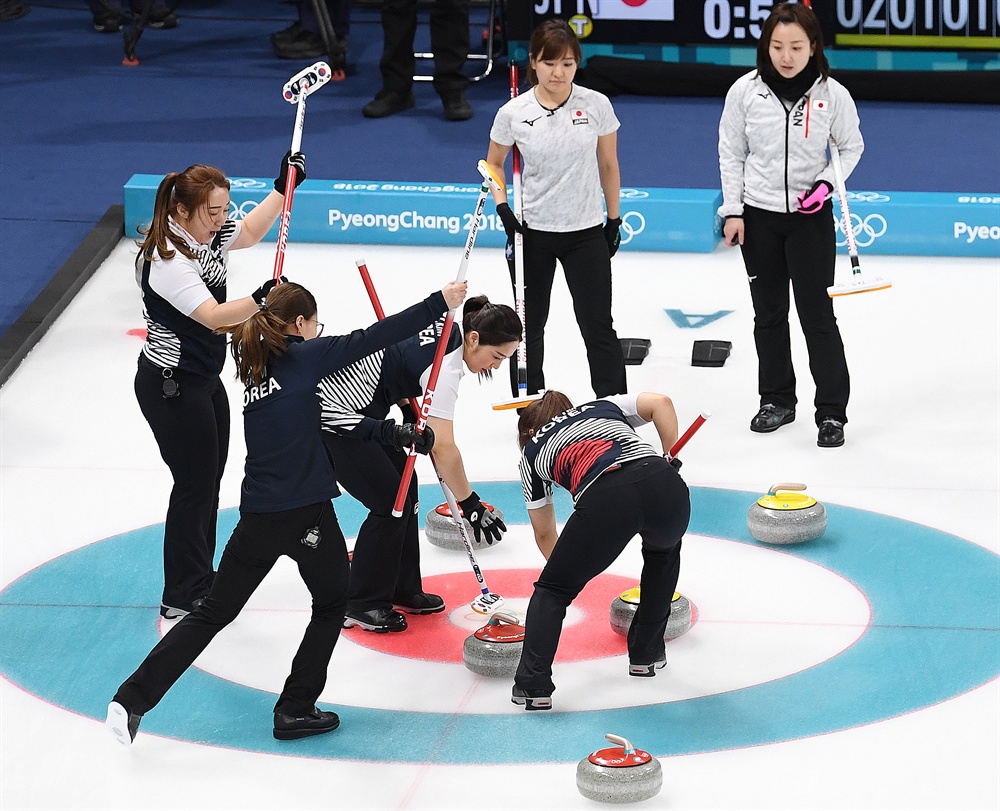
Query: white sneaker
(122, 723)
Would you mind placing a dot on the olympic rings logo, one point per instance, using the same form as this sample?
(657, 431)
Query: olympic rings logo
(868, 197)
(239, 212)
(632, 194)
(633, 224)
(871, 228)
(246, 183)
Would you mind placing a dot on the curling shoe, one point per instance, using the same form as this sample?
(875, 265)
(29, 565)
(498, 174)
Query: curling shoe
(771, 417)
(422, 603)
(531, 699)
(170, 612)
(379, 620)
(122, 723)
(456, 106)
(831, 433)
(647, 670)
(388, 102)
(316, 722)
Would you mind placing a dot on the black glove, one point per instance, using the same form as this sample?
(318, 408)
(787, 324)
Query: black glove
(612, 233)
(482, 521)
(510, 223)
(406, 434)
(260, 294)
(298, 160)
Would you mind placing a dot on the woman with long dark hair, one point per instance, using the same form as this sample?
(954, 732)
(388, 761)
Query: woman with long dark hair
(285, 506)
(385, 567)
(776, 183)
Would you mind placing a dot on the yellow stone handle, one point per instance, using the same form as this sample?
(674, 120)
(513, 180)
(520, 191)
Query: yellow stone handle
(785, 486)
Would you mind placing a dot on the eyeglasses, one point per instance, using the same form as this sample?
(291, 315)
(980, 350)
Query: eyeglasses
(319, 327)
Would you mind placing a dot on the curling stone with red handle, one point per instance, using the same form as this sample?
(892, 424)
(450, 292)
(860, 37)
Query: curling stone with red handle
(783, 517)
(621, 774)
(495, 649)
(442, 531)
(624, 605)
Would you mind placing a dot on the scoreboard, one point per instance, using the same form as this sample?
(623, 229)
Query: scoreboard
(910, 24)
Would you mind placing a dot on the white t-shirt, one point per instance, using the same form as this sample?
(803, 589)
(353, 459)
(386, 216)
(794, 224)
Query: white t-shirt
(560, 181)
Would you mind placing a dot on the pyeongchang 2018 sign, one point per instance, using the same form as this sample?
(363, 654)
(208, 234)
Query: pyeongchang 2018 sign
(674, 220)
(403, 213)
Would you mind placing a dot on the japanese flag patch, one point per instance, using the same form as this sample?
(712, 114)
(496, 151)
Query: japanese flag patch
(820, 104)
(579, 116)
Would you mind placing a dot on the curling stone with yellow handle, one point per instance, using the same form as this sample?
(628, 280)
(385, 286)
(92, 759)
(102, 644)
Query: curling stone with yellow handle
(495, 649)
(624, 605)
(786, 516)
(619, 774)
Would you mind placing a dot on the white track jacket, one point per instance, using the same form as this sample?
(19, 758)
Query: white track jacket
(769, 155)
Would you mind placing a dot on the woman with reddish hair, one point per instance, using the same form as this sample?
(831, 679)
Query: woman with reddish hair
(182, 270)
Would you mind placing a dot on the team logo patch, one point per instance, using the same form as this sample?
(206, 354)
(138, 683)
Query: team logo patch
(820, 104)
(579, 116)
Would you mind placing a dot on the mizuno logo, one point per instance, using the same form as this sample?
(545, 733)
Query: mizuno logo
(532, 122)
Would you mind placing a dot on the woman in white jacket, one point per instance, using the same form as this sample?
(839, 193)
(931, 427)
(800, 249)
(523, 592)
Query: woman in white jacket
(776, 184)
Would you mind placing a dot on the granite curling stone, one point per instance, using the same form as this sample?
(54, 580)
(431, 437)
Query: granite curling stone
(619, 775)
(442, 531)
(624, 605)
(783, 517)
(495, 649)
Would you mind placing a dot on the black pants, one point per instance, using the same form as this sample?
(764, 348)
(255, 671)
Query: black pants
(338, 11)
(192, 432)
(257, 542)
(800, 248)
(449, 44)
(647, 498)
(587, 266)
(386, 561)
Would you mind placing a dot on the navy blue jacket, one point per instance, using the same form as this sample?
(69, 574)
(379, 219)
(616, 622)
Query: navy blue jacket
(287, 464)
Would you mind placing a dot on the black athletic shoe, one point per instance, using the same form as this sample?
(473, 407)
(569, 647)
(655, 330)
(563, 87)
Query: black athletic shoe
(771, 417)
(107, 23)
(286, 34)
(422, 603)
(388, 102)
(159, 17)
(304, 45)
(122, 723)
(831, 433)
(379, 620)
(647, 670)
(456, 107)
(290, 727)
(531, 699)
(170, 612)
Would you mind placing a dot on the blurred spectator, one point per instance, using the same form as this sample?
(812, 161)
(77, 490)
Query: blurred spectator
(303, 39)
(110, 16)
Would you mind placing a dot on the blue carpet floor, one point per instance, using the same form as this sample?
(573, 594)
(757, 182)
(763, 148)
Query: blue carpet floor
(75, 125)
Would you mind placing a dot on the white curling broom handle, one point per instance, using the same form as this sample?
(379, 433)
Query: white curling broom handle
(522, 347)
(845, 211)
(411, 458)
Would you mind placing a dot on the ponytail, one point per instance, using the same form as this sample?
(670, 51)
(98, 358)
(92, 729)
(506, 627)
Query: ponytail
(261, 338)
(496, 323)
(540, 412)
